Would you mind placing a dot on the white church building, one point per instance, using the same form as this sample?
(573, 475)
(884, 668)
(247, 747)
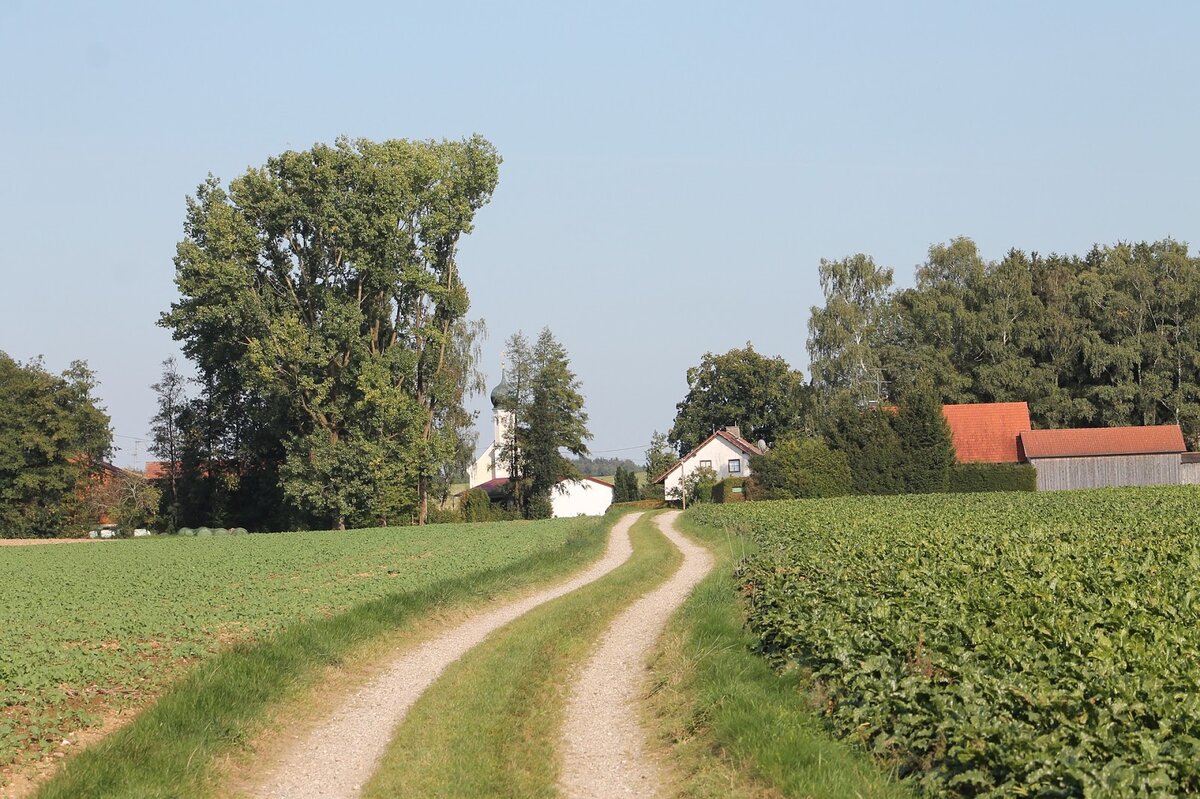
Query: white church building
(587, 496)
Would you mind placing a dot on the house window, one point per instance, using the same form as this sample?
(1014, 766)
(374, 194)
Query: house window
(705, 464)
(735, 466)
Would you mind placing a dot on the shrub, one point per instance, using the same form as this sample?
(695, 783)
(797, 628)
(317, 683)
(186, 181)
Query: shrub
(972, 477)
(476, 506)
(800, 469)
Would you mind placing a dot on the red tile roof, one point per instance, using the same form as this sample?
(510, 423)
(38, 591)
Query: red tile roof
(986, 432)
(1085, 441)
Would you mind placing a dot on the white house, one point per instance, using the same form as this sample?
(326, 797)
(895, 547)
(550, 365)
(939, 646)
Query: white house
(587, 496)
(489, 466)
(725, 452)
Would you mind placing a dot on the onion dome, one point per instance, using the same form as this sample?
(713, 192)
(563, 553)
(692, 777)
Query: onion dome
(502, 393)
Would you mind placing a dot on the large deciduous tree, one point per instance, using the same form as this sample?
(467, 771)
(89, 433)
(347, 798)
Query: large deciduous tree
(322, 304)
(53, 437)
(763, 396)
(847, 335)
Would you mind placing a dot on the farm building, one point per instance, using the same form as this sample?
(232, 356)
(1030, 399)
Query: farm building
(1095, 457)
(725, 452)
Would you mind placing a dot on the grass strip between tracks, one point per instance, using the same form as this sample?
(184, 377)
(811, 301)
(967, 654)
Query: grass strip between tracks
(490, 726)
(727, 722)
(171, 749)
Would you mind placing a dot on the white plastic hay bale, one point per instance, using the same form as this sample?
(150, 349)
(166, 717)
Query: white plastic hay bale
(141, 532)
(107, 534)
(185, 531)
(93, 533)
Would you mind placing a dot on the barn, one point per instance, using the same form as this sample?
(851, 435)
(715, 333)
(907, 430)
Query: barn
(1095, 457)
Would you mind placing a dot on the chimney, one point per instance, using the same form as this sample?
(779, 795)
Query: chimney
(733, 429)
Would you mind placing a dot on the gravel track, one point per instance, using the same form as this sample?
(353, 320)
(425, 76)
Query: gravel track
(603, 744)
(338, 757)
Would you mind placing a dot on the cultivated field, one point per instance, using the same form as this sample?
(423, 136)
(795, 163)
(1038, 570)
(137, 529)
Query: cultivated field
(992, 645)
(85, 630)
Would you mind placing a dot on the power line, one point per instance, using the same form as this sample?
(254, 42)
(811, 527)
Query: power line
(621, 449)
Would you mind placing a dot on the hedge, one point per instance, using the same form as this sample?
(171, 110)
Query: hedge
(968, 478)
(731, 489)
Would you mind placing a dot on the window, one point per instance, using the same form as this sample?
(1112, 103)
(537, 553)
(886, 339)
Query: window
(735, 466)
(705, 464)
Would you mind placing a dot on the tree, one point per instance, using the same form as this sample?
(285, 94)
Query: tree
(632, 490)
(925, 438)
(847, 336)
(549, 418)
(322, 305)
(126, 497)
(801, 469)
(764, 396)
(166, 436)
(659, 457)
(868, 438)
(620, 486)
(53, 438)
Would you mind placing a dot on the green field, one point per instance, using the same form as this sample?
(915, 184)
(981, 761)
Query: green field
(991, 645)
(87, 628)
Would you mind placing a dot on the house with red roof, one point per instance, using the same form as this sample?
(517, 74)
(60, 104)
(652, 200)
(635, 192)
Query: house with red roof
(725, 452)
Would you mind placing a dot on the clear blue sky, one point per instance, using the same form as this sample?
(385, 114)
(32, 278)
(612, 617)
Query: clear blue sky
(672, 173)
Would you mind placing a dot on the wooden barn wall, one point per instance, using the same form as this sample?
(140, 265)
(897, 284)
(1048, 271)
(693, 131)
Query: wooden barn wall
(1059, 474)
(1189, 474)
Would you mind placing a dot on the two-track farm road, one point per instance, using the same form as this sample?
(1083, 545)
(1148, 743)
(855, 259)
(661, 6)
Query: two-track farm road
(340, 754)
(603, 750)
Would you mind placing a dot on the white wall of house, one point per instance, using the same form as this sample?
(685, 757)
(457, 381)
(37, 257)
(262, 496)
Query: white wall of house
(580, 498)
(718, 454)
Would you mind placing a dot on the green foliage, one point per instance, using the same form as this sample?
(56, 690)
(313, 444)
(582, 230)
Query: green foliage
(625, 486)
(476, 505)
(731, 489)
(86, 625)
(928, 452)
(696, 486)
(873, 449)
(763, 396)
(321, 302)
(547, 408)
(52, 440)
(848, 336)
(972, 477)
(1107, 338)
(801, 469)
(659, 457)
(992, 644)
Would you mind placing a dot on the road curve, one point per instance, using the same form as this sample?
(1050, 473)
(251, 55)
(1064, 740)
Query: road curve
(341, 753)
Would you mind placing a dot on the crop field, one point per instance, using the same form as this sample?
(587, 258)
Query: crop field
(992, 644)
(87, 629)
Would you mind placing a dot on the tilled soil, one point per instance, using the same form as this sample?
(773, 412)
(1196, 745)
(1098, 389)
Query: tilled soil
(603, 743)
(338, 757)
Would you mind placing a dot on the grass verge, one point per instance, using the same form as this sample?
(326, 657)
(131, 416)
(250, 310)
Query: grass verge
(490, 726)
(731, 726)
(172, 748)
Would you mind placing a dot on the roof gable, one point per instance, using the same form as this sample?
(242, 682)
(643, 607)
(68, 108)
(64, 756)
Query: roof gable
(739, 443)
(1092, 441)
(986, 432)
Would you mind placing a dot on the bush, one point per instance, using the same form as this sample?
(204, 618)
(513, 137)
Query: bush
(731, 489)
(972, 477)
(476, 505)
(800, 469)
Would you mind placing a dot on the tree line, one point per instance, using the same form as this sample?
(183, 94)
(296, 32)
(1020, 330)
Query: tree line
(1101, 339)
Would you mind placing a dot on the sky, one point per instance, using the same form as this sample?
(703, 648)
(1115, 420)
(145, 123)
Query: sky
(673, 172)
